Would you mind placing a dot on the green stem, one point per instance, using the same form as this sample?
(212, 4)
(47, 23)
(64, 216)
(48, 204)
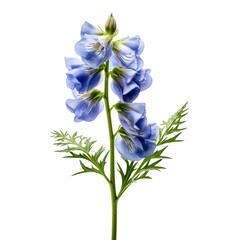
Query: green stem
(112, 159)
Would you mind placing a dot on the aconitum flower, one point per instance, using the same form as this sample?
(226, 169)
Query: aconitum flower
(94, 50)
(132, 116)
(127, 92)
(87, 107)
(132, 147)
(122, 84)
(128, 83)
(81, 77)
(126, 53)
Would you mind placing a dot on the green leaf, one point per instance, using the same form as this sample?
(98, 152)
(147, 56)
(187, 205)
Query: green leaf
(126, 176)
(98, 153)
(87, 169)
(80, 147)
(80, 155)
(172, 139)
(78, 173)
(103, 162)
(171, 126)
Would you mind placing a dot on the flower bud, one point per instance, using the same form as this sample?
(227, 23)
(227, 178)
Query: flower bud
(111, 26)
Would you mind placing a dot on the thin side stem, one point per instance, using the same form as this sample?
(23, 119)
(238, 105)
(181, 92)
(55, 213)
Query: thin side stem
(112, 159)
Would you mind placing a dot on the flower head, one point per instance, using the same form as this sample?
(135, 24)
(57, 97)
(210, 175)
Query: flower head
(82, 77)
(132, 116)
(133, 148)
(122, 84)
(94, 50)
(126, 53)
(128, 83)
(87, 106)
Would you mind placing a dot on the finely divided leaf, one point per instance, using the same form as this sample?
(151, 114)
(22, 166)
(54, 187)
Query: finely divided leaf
(81, 148)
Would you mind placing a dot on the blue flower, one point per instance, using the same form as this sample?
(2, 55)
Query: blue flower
(128, 83)
(94, 50)
(132, 116)
(126, 53)
(127, 92)
(134, 148)
(82, 77)
(87, 106)
(89, 29)
(122, 84)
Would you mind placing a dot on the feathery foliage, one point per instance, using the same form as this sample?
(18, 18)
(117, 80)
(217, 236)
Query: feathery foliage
(81, 147)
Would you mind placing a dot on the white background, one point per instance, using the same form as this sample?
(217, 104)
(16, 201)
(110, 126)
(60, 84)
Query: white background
(193, 50)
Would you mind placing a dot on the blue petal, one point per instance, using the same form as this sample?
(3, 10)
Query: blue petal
(75, 93)
(130, 92)
(88, 28)
(135, 43)
(141, 48)
(82, 45)
(123, 56)
(72, 63)
(95, 112)
(134, 119)
(141, 124)
(83, 78)
(137, 64)
(81, 109)
(78, 78)
(148, 147)
(138, 107)
(129, 74)
(94, 81)
(127, 92)
(72, 104)
(143, 79)
(117, 90)
(151, 131)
